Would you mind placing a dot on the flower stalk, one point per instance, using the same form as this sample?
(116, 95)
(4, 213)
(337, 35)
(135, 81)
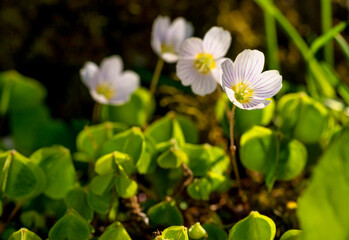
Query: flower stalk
(156, 76)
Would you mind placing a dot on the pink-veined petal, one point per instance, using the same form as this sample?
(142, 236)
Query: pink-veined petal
(217, 42)
(227, 74)
(190, 48)
(231, 95)
(204, 84)
(267, 84)
(111, 68)
(88, 74)
(256, 104)
(248, 65)
(186, 71)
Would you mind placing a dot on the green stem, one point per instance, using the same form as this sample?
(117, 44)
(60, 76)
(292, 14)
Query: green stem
(343, 45)
(326, 22)
(156, 76)
(96, 112)
(233, 151)
(272, 43)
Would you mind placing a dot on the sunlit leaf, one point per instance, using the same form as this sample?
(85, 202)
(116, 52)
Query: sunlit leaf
(70, 227)
(59, 170)
(254, 226)
(172, 158)
(108, 163)
(24, 234)
(200, 189)
(101, 184)
(175, 232)
(197, 231)
(292, 234)
(125, 186)
(115, 231)
(323, 210)
(20, 178)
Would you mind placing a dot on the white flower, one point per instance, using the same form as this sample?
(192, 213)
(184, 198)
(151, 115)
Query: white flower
(109, 84)
(166, 38)
(199, 60)
(245, 84)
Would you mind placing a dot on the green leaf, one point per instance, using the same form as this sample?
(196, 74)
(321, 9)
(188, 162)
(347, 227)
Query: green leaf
(115, 231)
(197, 231)
(165, 129)
(24, 234)
(20, 178)
(254, 226)
(100, 204)
(77, 200)
(292, 234)
(165, 213)
(33, 128)
(146, 163)
(102, 184)
(278, 158)
(70, 227)
(24, 92)
(59, 170)
(214, 232)
(91, 138)
(135, 112)
(323, 210)
(131, 142)
(32, 219)
(190, 131)
(203, 158)
(125, 186)
(303, 118)
(109, 163)
(176, 233)
(172, 158)
(200, 189)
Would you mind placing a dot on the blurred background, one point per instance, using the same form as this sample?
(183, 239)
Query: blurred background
(50, 40)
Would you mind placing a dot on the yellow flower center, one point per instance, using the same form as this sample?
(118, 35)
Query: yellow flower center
(242, 92)
(106, 89)
(167, 48)
(204, 62)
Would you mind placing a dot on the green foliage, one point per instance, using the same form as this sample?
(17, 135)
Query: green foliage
(323, 211)
(70, 227)
(165, 213)
(278, 158)
(172, 158)
(292, 234)
(135, 112)
(77, 200)
(215, 232)
(20, 177)
(197, 231)
(174, 232)
(90, 139)
(200, 189)
(59, 170)
(115, 232)
(24, 234)
(254, 226)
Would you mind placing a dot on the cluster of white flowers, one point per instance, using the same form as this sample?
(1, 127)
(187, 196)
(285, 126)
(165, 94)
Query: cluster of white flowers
(200, 64)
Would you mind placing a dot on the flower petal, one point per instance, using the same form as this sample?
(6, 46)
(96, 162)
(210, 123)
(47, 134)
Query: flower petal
(253, 104)
(169, 57)
(256, 104)
(248, 65)
(98, 97)
(176, 33)
(126, 84)
(204, 84)
(88, 74)
(227, 74)
(190, 48)
(267, 84)
(217, 42)
(111, 67)
(158, 35)
(186, 72)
